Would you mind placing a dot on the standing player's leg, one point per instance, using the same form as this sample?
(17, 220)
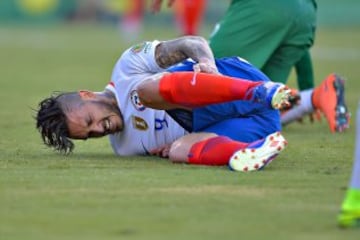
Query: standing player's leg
(305, 72)
(189, 14)
(131, 21)
(329, 98)
(238, 34)
(350, 209)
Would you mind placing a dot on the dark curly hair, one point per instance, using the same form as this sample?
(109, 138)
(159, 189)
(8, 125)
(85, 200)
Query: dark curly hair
(51, 123)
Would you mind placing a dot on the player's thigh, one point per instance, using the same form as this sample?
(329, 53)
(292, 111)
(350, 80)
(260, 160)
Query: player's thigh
(180, 149)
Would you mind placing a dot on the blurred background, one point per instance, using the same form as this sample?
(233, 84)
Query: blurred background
(135, 16)
(129, 17)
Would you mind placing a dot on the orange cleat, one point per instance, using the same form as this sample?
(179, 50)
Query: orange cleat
(329, 98)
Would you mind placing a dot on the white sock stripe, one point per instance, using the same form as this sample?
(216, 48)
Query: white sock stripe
(355, 178)
(306, 100)
(305, 107)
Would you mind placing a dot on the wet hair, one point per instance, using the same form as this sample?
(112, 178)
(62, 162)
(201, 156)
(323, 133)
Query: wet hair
(51, 122)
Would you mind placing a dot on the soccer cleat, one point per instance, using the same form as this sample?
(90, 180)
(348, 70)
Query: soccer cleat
(349, 218)
(293, 100)
(329, 98)
(258, 154)
(350, 211)
(275, 95)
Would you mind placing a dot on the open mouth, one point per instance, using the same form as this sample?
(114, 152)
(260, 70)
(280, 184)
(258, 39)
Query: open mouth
(107, 126)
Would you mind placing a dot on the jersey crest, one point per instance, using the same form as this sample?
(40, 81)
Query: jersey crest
(134, 97)
(144, 46)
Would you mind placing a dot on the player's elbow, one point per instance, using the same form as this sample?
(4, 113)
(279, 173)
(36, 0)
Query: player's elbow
(196, 41)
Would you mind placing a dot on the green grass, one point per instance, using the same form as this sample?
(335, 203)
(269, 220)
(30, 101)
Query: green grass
(92, 194)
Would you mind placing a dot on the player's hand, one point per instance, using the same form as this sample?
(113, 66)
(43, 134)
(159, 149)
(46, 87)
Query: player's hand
(156, 5)
(161, 151)
(205, 66)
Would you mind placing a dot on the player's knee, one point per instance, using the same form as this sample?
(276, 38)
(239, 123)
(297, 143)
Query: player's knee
(144, 94)
(148, 90)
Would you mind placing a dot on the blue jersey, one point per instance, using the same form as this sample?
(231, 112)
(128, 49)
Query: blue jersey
(244, 121)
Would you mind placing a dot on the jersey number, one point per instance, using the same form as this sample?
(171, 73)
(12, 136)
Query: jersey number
(160, 124)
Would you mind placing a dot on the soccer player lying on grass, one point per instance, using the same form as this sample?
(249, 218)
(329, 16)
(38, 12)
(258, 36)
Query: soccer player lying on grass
(173, 99)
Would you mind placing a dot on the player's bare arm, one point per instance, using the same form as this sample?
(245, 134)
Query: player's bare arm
(174, 51)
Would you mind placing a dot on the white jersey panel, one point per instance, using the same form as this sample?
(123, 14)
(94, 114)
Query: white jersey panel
(145, 128)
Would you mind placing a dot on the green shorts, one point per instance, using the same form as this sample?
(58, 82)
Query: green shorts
(272, 35)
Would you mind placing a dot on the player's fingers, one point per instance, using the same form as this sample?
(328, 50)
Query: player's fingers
(206, 68)
(196, 68)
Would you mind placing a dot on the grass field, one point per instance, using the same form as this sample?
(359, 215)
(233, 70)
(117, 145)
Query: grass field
(92, 194)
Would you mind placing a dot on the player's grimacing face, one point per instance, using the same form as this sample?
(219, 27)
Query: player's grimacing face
(93, 119)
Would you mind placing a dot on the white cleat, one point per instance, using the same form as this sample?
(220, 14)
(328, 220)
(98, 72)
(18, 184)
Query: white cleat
(275, 95)
(258, 154)
(280, 96)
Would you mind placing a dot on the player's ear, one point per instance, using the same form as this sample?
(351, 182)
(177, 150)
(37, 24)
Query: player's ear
(85, 94)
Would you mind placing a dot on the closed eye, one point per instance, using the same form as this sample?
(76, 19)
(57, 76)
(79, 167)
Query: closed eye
(89, 121)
